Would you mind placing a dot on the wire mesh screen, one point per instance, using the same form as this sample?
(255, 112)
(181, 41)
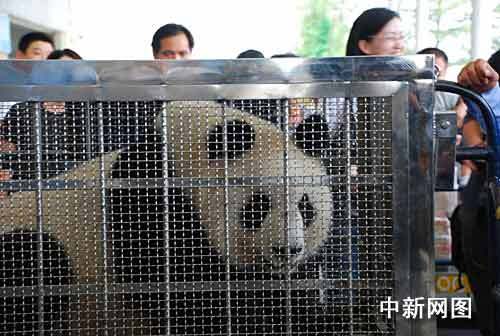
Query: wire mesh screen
(244, 217)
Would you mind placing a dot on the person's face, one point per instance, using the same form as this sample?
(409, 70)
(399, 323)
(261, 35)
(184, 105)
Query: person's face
(174, 47)
(37, 50)
(441, 67)
(388, 41)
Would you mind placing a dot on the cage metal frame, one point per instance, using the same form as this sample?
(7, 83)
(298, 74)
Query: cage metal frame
(409, 81)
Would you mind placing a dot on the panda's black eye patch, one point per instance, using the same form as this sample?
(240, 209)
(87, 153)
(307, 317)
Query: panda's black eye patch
(306, 210)
(240, 138)
(255, 211)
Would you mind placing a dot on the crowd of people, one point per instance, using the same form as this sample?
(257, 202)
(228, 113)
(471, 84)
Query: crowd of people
(377, 31)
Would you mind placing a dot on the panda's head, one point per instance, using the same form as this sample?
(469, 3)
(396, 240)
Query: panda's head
(262, 200)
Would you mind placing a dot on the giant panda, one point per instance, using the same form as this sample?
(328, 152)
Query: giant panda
(231, 216)
(204, 194)
(77, 257)
(267, 228)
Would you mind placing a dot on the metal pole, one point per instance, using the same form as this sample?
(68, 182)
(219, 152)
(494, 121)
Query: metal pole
(227, 232)
(165, 124)
(285, 109)
(39, 213)
(350, 111)
(104, 234)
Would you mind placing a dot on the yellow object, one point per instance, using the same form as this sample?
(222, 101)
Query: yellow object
(448, 283)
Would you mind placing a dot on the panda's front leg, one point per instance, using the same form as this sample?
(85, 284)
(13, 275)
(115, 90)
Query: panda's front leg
(137, 234)
(20, 267)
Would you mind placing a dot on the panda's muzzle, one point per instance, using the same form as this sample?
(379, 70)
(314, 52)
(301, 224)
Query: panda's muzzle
(299, 221)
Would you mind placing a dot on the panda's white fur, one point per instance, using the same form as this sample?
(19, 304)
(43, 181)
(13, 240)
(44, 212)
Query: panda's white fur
(72, 216)
(283, 240)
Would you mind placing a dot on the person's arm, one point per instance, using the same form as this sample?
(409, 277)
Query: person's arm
(461, 111)
(473, 134)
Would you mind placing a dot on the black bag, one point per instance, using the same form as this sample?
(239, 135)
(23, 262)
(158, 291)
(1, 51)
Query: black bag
(474, 212)
(470, 224)
(457, 250)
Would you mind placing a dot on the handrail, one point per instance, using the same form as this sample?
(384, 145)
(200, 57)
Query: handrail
(486, 111)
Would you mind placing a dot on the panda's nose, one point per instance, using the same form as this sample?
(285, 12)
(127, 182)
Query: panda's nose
(295, 250)
(283, 251)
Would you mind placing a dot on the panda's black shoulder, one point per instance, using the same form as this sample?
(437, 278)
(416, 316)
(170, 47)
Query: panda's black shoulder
(192, 258)
(140, 160)
(146, 221)
(20, 247)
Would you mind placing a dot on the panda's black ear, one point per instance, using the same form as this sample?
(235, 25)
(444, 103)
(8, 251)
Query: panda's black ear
(240, 138)
(312, 135)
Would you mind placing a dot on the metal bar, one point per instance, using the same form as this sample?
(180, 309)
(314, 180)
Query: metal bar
(189, 286)
(39, 213)
(104, 234)
(421, 200)
(350, 108)
(88, 130)
(166, 212)
(227, 232)
(196, 92)
(60, 184)
(199, 72)
(474, 153)
(285, 111)
(400, 205)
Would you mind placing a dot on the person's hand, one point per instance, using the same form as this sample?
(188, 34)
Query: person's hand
(7, 146)
(478, 75)
(295, 117)
(5, 175)
(296, 114)
(54, 107)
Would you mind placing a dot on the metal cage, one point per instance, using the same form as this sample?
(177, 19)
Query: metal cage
(235, 197)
